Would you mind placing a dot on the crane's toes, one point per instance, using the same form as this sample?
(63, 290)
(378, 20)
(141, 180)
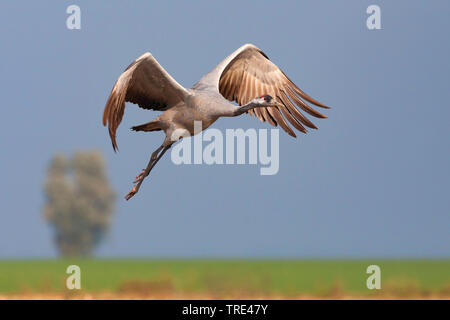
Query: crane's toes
(140, 177)
(131, 193)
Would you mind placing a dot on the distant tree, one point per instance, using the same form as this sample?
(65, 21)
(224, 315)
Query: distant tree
(79, 202)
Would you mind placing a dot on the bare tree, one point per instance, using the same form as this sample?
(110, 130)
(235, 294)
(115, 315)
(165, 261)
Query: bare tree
(80, 202)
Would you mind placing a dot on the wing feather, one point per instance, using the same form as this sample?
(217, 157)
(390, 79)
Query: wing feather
(248, 73)
(144, 83)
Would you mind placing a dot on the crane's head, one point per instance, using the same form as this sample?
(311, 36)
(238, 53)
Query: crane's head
(265, 101)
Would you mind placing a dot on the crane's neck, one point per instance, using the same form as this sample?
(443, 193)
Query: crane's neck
(242, 109)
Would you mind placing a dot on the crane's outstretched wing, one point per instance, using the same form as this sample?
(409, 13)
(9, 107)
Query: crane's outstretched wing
(144, 83)
(248, 73)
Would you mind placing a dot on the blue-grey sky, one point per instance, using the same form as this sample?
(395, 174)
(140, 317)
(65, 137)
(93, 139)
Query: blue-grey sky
(372, 181)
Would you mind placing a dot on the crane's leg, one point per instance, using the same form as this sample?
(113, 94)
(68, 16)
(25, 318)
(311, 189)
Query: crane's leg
(140, 178)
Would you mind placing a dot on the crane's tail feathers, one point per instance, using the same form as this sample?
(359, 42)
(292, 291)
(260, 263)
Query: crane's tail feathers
(151, 126)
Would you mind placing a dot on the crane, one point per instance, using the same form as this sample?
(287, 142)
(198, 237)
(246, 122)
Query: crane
(247, 77)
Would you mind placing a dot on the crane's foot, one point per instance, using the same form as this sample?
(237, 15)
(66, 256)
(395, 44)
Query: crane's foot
(138, 181)
(131, 193)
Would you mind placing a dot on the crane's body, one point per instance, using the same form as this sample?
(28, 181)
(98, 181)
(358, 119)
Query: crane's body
(247, 76)
(196, 107)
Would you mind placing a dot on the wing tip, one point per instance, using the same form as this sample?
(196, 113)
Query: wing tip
(144, 56)
(114, 144)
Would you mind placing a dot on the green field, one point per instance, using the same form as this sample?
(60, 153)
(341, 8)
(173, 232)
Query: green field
(287, 278)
